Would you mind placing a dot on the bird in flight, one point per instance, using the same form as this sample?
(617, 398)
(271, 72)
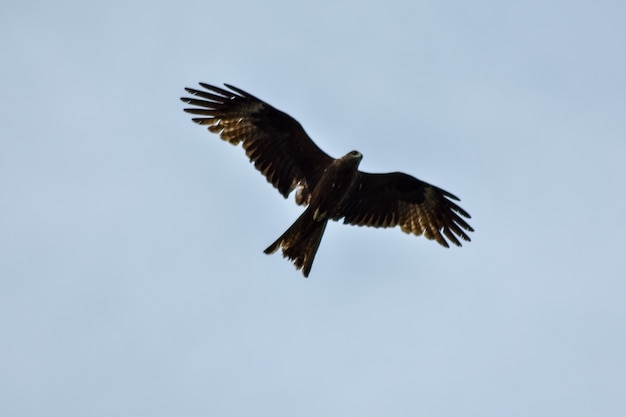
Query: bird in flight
(331, 189)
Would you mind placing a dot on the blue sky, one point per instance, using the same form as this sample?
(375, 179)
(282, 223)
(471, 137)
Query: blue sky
(132, 278)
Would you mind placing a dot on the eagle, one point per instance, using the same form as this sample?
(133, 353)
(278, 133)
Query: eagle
(331, 189)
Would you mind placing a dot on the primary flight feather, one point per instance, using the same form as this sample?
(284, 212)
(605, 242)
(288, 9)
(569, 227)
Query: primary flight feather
(332, 189)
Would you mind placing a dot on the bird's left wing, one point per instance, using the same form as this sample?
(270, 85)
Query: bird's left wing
(274, 141)
(398, 199)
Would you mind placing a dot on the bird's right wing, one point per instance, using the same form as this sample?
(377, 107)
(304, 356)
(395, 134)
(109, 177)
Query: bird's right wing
(274, 141)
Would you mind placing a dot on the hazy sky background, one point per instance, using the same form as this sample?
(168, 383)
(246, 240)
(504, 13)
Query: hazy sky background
(132, 278)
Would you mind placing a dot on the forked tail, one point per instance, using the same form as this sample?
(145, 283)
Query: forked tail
(300, 241)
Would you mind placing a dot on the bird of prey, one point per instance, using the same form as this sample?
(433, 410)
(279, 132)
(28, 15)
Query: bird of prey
(331, 189)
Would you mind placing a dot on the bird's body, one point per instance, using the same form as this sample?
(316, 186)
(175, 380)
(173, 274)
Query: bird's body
(332, 189)
(301, 241)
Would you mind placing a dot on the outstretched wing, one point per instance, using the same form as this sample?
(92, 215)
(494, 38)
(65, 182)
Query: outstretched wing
(274, 141)
(398, 199)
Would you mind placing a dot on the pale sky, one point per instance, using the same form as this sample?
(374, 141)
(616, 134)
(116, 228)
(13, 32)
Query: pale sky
(132, 278)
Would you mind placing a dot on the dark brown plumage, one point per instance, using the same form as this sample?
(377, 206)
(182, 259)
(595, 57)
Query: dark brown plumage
(332, 189)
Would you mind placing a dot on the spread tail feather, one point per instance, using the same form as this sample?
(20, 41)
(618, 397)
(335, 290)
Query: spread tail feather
(300, 241)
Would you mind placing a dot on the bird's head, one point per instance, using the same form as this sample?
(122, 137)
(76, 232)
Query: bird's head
(351, 159)
(354, 155)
